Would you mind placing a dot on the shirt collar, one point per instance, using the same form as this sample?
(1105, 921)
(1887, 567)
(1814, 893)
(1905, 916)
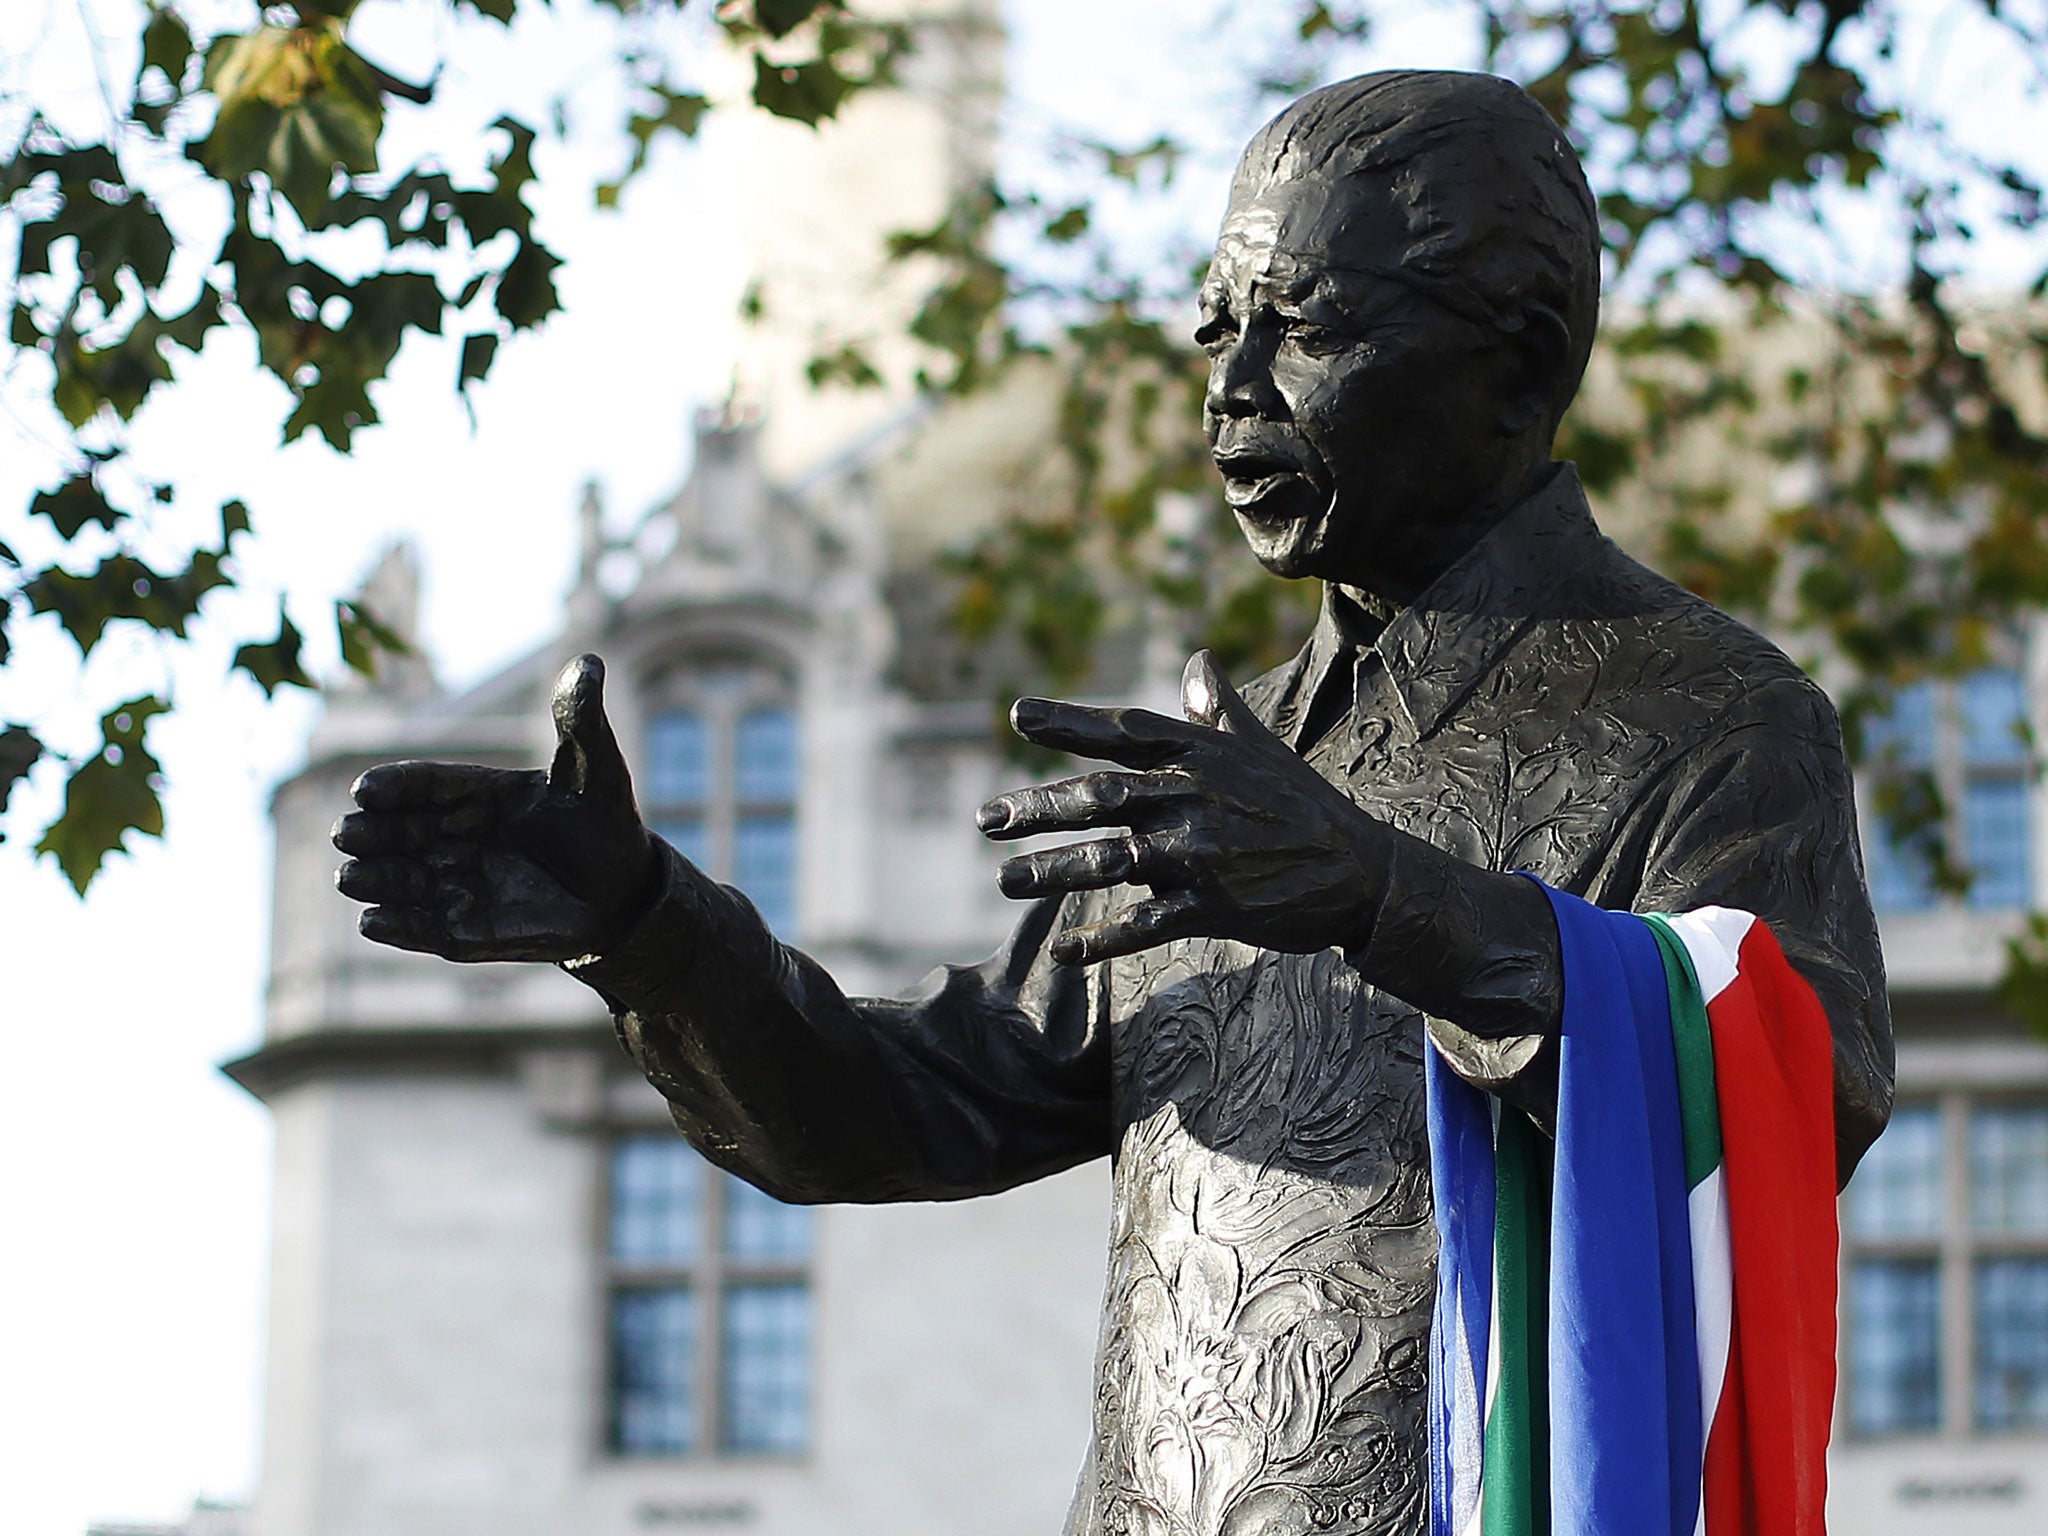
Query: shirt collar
(1440, 647)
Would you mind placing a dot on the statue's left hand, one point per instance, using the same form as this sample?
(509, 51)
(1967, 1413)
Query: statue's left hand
(1236, 835)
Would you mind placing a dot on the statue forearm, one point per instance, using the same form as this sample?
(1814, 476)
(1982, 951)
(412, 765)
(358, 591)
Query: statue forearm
(776, 1074)
(1475, 951)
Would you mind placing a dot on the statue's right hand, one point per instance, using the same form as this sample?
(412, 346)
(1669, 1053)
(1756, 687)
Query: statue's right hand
(475, 863)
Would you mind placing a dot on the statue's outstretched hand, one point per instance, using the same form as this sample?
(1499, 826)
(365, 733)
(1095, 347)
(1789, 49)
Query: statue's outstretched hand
(1236, 835)
(474, 863)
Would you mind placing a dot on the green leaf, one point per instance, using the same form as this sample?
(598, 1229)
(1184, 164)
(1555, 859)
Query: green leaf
(122, 587)
(679, 110)
(526, 291)
(779, 18)
(297, 104)
(849, 366)
(19, 752)
(234, 519)
(73, 505)
(364, 637)
(114, 793)
(477, 352)
(496, 10)
(804, 93)
(275, 663)
(1069, 226)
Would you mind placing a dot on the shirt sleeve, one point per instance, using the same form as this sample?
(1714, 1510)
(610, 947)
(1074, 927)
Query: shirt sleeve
(985, 1077)
(1764, 820)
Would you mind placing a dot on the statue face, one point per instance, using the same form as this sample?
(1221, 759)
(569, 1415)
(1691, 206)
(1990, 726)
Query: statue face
(1357, 422)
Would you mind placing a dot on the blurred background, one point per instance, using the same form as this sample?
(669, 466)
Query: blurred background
(827, 370)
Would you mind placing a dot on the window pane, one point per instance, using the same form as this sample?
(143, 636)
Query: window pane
(686, 836)
(759, 1226)
(1995, 842)
(764, 866)
(1894, 1346)
(654, 1347)
(766, 1391)
(678, 760)
(1994, 710)
(1906, 735)
(1897, 1188)
(2009, 1167)
(2012, 1343)
(657, 1200)
(764, 759)
(1901, 880)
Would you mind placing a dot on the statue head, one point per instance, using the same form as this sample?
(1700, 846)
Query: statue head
(1400, 309)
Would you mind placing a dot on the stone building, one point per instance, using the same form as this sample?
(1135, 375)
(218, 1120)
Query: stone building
(506, 1298)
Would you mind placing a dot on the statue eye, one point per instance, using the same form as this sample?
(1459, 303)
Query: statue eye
(1317, 340)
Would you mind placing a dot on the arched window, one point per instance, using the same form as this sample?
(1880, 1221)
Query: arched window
(721, 781)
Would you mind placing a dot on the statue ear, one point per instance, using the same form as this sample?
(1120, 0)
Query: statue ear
(1541, 347)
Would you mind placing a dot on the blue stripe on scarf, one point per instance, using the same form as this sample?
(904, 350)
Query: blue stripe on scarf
(1625, 1436)
(1624, 1360)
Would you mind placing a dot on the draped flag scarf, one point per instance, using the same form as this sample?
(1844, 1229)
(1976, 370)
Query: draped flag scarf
(1635, 1323)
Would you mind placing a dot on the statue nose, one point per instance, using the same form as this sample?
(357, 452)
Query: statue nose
(1241, 380)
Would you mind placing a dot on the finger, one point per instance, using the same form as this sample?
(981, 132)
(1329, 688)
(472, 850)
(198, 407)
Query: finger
(1088, 866)
(1208, 698)
(587, 756)
(1138, 927)
(389, 834)
(1077, 804)
(1137, 738)
(395, 882)
(417, 786)
(413, 928)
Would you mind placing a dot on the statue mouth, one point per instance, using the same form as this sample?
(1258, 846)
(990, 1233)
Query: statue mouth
(1263, 485)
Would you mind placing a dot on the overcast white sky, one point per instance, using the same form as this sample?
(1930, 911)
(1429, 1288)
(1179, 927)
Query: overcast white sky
(133, 1178)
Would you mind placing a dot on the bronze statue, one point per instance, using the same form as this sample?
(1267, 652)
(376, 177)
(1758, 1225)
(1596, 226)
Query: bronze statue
(1319, 872)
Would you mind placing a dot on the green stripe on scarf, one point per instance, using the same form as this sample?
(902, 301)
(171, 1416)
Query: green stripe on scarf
(1694, 1043)
(1516, 1500)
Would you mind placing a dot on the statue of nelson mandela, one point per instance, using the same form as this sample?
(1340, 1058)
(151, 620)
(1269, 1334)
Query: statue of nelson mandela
(1285, 897)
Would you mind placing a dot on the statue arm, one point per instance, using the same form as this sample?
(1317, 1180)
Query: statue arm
(1766, 823)
(986, 1077)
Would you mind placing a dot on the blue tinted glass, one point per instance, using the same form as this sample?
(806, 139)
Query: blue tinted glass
(678, 760)
(1906, 735)
(1901, 880)
(653, 1350)
(764, 757)
(1897, 1188)
(2011, 1297)
(2009, 1168)
(1994, 710)
(765, 1395)
(1894, 1340)
(761, 1227)
(657, 1200)
(685, 834)
(1995, 842)
(764, 866)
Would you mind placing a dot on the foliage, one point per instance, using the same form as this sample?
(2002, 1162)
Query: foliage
(285, 120)
(1858, 466)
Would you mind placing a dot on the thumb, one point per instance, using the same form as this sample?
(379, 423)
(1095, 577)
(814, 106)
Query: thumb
(1208, 699)
(587, 757)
